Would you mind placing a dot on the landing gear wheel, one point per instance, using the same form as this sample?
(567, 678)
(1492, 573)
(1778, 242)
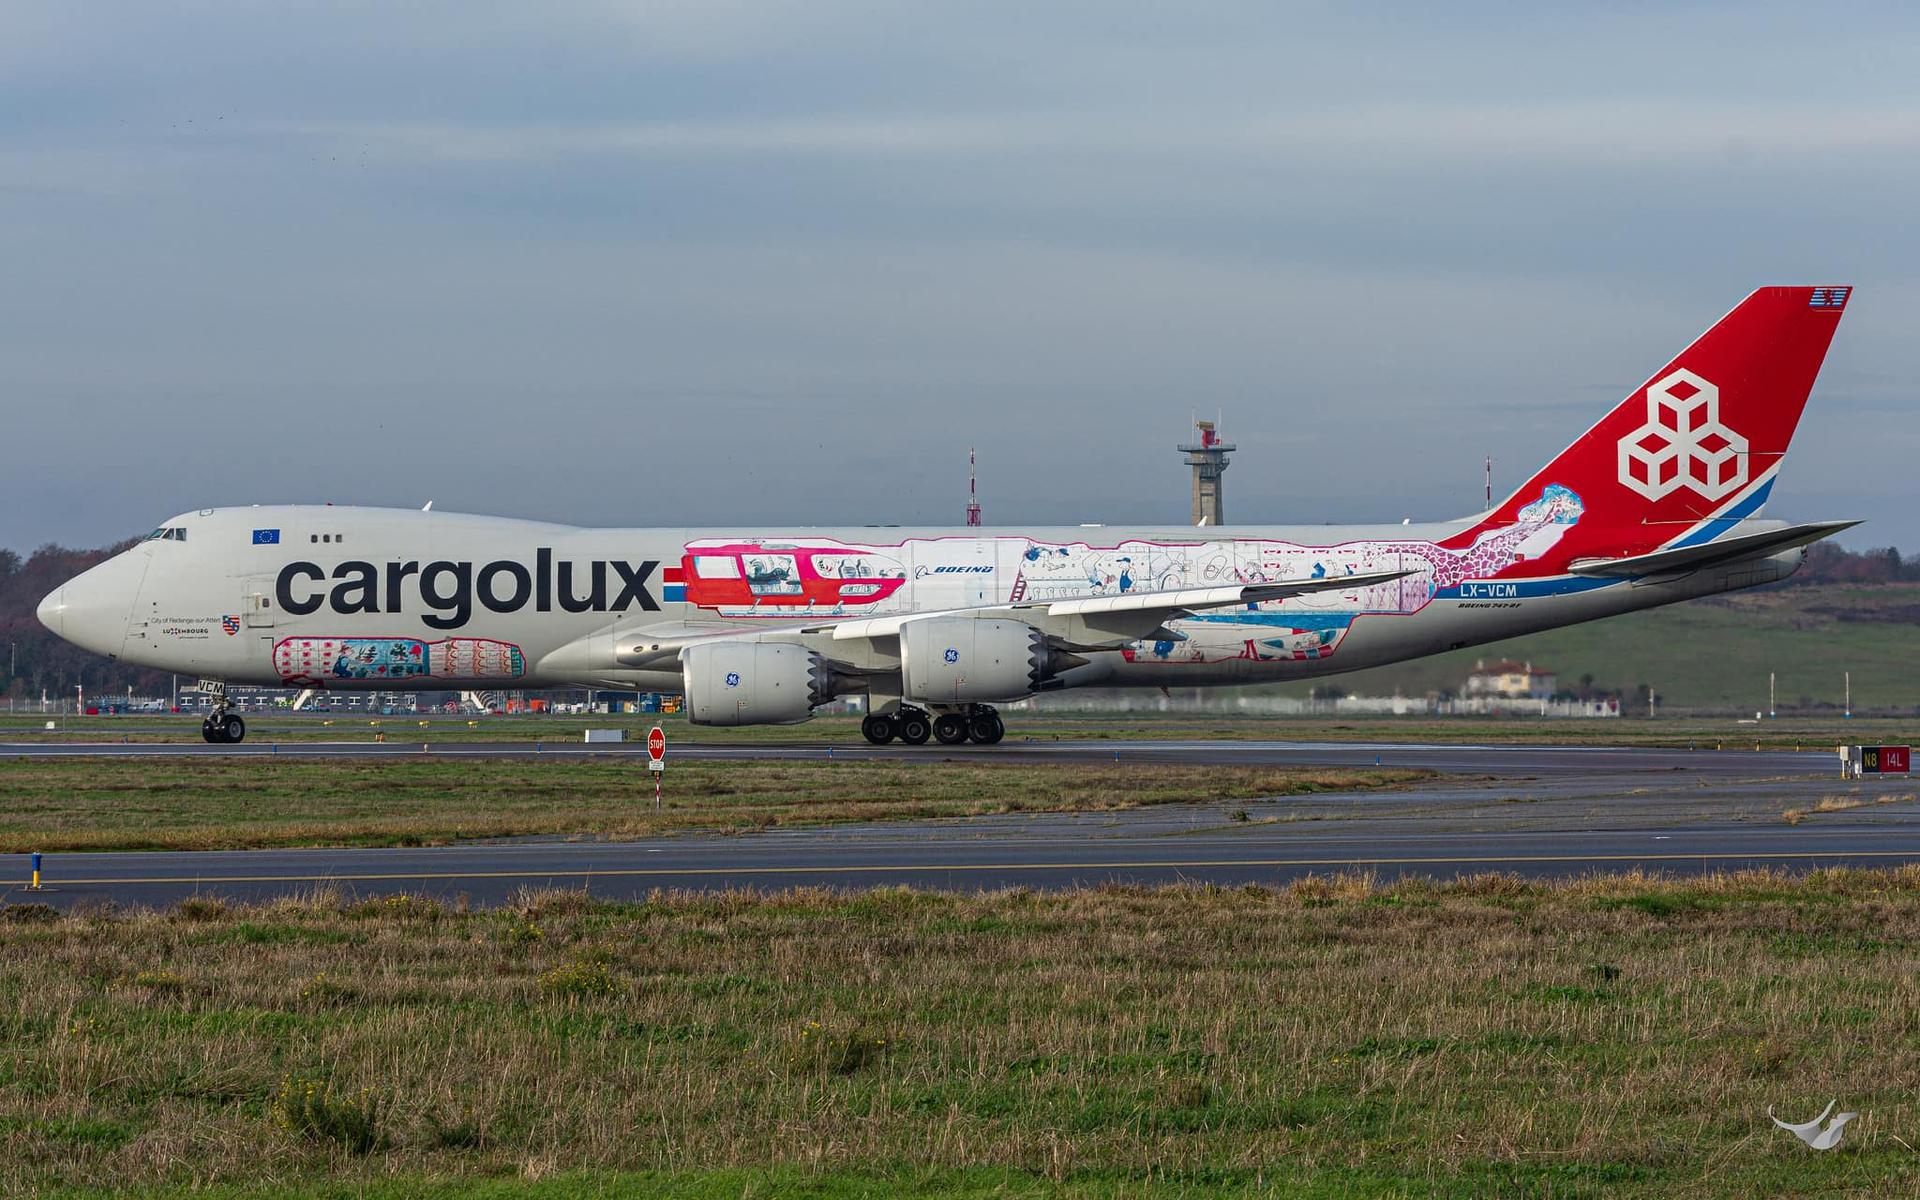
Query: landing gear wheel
(223, 729)
(950, 729)
(914, 728)
(877, 728)
(986, 727)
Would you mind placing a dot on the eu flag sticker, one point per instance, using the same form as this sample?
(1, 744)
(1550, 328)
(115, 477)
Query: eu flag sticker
(266, 537)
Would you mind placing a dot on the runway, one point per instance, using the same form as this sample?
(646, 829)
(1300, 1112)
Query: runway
(1530, 811)
(1454, 759)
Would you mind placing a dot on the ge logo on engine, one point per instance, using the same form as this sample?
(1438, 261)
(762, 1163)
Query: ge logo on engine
(733, 679)
(1683, 444)
(953, 656)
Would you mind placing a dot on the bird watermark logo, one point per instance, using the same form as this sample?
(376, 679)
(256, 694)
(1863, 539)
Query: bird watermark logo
(1819, 1133)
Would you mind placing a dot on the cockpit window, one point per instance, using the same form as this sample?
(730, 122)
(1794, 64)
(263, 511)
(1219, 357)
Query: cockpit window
(170, 533)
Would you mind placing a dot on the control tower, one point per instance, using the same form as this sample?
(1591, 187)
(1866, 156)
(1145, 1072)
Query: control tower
(1207, 455)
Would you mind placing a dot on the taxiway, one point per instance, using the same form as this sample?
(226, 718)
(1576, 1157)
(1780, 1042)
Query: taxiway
(1526, 810)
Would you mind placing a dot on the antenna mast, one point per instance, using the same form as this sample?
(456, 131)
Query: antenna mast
(1489, 483)
(973, 493)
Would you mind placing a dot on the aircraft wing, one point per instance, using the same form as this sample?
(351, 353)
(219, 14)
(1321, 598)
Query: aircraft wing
(1090, 622)
(1708, 554)
(1093, 621)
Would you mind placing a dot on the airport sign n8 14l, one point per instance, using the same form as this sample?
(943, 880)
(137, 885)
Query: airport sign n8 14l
(1884, 760)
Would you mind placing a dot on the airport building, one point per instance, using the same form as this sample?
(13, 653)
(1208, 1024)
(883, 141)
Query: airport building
(1510, 680)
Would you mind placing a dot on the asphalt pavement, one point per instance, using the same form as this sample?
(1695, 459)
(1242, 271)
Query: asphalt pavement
(1532, 811)
(1477, 759)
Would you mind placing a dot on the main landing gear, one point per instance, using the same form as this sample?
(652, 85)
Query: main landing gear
(223, 726)
(977, 722)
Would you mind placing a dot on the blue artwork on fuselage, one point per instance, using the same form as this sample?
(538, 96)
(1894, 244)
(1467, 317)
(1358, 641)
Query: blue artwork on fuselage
(379, 658)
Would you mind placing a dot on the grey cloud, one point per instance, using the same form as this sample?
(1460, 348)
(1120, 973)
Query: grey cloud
(529, 260)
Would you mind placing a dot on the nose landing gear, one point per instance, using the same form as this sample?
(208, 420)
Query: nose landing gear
(223, 729)
(223, 726)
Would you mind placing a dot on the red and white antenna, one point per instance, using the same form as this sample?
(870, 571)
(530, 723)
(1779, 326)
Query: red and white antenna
(973, 493)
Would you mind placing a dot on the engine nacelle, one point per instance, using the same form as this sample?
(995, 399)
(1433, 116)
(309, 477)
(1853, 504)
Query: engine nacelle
(949, 660)
(753, 683)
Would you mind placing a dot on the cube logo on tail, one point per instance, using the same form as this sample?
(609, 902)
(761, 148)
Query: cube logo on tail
(1683, 444)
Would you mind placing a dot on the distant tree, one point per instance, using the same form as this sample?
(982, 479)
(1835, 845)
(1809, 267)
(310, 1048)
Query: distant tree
(1828, 563)
(46, 663)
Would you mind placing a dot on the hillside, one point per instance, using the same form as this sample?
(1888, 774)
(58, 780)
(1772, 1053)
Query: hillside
(1713, 654)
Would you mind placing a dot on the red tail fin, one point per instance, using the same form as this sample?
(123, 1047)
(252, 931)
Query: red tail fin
(1701, 440)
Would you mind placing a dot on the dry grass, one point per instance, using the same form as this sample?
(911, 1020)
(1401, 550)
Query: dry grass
(1337, 1037)
(220, 804)
(1831, 803)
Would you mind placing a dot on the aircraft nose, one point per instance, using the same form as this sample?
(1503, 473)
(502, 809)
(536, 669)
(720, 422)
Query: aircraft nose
(53, 611)
(92, 610)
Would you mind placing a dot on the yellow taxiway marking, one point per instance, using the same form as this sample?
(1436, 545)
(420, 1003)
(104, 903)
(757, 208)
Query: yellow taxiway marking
(897, 868)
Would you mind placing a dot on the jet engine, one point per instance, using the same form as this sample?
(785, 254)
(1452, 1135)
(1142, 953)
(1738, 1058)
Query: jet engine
(737, 682)
(949, 660)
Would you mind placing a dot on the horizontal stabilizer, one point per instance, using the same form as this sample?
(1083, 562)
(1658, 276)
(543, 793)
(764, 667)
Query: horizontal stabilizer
(1709, 554)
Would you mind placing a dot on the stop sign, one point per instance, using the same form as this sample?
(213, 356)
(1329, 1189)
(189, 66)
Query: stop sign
(657, 744)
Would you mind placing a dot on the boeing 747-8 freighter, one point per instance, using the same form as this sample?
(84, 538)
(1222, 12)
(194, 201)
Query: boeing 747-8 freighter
(1657, 502)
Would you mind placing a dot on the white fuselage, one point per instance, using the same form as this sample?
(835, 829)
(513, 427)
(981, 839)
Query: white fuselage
(366, 598)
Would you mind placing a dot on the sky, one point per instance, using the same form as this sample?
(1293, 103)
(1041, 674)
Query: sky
(700, 262)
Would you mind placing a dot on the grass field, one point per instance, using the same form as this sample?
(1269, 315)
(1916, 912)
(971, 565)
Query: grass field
(1022, 728)
(235, 803)
(1336, 1038)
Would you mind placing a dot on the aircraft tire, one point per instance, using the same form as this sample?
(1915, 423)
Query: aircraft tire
(915, 729)
(986, 727)
(210, 733)
(233, 730)
(950, 729)
(877, 728)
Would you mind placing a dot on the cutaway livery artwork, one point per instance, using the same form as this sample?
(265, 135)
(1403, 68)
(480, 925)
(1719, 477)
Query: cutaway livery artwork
(316, 661)
(1658, 502)
(823, 578)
